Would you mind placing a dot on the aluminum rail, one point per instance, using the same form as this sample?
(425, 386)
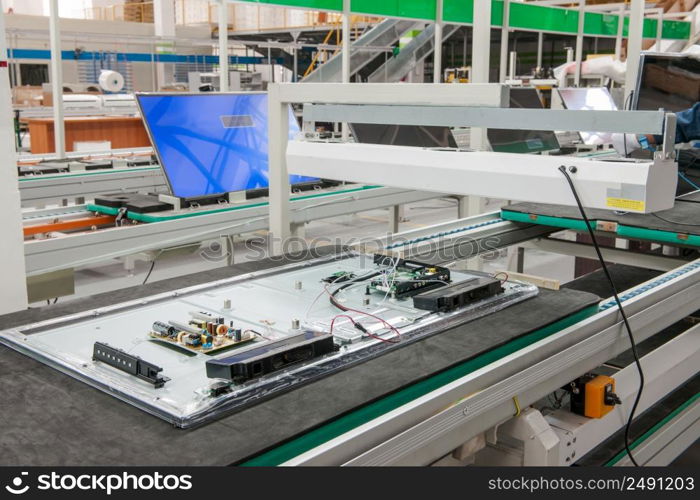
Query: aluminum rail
(669, 441)
(107, 153)
(456, 240)
(72, 250)
(41, 189)
(431, 426)
(631, 122)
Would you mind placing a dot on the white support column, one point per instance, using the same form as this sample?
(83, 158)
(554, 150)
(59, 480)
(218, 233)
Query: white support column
(504, 42)
(295, 70)
(634, 45)
(481, 56)
(13, 292)
(579, 41)
(164, 24)
(659, 28)
(278, 136)
(620, 26)
(59, 130)
(223, 46)
(437, 50)
(512, 65)
(540, 44)
(345, 56)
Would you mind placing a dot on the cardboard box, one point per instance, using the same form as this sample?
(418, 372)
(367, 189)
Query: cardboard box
(673, 81)
(27, 96)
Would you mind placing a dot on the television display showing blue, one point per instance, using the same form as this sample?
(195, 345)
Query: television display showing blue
(211, 143)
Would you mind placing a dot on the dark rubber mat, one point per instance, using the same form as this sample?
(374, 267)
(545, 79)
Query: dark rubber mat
(51, 419)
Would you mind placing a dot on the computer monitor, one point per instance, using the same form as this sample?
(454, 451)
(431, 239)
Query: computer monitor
(211, 143)
(593, 98)
(668, 81)
(523, 141)
(403, 135)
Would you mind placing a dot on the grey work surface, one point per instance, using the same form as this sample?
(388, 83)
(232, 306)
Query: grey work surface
(683, 217)
(51, 419)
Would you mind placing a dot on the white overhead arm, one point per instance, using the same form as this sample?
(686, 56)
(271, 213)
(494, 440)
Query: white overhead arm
(618, 184)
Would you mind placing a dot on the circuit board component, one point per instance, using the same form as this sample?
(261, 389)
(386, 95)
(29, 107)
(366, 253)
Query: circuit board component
(406, 278)
(204, 333)
(128, 363)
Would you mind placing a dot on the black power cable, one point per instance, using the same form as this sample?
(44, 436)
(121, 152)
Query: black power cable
(628, 426)
(627, 105)
(150, 270)
(350, 283)
(153, 264)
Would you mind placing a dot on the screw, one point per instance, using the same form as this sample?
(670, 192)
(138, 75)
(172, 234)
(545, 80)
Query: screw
(573, 169)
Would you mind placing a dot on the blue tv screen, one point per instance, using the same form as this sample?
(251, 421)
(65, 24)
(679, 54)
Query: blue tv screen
(211, 143)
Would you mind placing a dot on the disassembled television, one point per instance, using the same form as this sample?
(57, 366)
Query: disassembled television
(190, 355)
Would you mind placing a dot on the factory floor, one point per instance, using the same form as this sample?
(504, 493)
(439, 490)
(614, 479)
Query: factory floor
(112, 275)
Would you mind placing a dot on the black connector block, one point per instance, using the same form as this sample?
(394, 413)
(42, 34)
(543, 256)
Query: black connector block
(133, 365)
(456, 295)
(270, 358)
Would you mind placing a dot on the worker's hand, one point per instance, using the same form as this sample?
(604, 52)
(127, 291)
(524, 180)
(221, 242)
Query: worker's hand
(624, 144)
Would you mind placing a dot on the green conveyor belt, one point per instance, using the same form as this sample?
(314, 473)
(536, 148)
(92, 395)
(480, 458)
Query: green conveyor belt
(88, 173)
(654, 429)
(346, 423)
(623, 231)
(163, 216)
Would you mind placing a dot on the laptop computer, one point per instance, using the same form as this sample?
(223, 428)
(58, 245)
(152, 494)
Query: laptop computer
(523, 141)
(593, 98)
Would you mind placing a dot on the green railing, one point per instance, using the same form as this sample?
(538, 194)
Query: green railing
(522, 15)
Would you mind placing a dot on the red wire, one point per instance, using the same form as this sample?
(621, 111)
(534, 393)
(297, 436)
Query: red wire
(347, 309)
(504, 273)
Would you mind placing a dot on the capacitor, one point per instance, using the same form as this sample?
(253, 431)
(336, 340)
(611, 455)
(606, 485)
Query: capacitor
(210, 327)
(184, 328)
(193, 339)
(198, 323)
(163, 329)
(238, 334)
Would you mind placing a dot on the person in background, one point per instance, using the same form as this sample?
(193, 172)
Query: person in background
(687, 130)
